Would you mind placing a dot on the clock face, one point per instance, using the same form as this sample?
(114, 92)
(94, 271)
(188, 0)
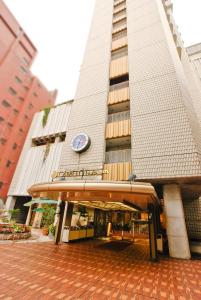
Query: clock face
(80, 142)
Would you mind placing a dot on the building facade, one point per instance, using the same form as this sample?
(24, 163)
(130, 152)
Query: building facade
(21, 94)
(138, 102)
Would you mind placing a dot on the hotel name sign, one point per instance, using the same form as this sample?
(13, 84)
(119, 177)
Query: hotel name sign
(78, 173)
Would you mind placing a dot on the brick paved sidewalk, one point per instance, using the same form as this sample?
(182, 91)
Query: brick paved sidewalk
(94, 270)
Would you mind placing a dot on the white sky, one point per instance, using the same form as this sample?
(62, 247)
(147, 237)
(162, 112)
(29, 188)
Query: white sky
(59, 30)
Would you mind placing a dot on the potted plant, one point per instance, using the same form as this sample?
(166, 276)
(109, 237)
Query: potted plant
(47, 218)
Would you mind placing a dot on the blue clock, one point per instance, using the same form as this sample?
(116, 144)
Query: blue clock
(80, 143)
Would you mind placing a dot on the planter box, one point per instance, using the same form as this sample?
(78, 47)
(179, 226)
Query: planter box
(15, 236)
(90, 232)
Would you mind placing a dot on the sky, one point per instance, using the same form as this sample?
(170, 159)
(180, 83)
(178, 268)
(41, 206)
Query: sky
(59, 30)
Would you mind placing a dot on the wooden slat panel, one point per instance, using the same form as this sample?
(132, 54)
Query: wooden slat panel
(118, 129)
(119, 43)
(118, 2)
(118, 171)
(120, 28)
(119, 7)
(119, 67)
(118, 96)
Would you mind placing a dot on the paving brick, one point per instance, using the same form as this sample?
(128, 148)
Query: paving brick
(93, 270)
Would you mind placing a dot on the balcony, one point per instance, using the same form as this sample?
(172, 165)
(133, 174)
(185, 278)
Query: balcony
(118, 96)
(116, 156)
(119, 67)
(118, 129)
(119, 7)
(118, 171)
(118, 17)
(117, 2)
(119, 116)
(119, 28)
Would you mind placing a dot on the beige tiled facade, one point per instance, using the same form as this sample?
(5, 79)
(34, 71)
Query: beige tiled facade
(138, 99)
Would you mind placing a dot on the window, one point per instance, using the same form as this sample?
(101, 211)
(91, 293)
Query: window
(12, 91)
(8, 163)
(1, 184)
(1, 119)
(16, 111)
(30, 106)
(25, 61)
(120, 79)
(17, 79)
(35, 95)
(23, 69)
(6, 103)
(21, 98)
(26, 88)
(3, 141)
(10, 124)
(14, 146)
(21, 130)
(26, 117)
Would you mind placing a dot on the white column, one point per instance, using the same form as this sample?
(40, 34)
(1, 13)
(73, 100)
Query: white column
(28, 219)
(176, 226)
(10, 203)
(38, 218)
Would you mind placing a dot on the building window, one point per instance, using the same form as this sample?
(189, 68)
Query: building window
(26, 88)
(21, 98)
(21, 130)
(25, 61)
(14, 146)
(10, 124)
(35, 95)
(12, 91)
(6, 103)
(26, 117)
(1, 119)
(16, 111)
(30, 106)
(17, 79)
(8, 163)
(3, 141)
(23, 69)
(1, 184)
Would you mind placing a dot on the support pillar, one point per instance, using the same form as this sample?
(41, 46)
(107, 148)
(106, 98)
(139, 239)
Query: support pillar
(38, 218)
(10, 203)
(28, 219)
(152, 232)
(60, 214)
(176, 226)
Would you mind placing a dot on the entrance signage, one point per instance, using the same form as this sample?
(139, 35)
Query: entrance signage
(78, 173)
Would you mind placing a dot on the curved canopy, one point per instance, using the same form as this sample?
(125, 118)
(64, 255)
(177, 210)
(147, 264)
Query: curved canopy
(99, 194)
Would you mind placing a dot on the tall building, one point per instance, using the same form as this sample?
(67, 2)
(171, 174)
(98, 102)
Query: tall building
(137, 111)
(21, 94)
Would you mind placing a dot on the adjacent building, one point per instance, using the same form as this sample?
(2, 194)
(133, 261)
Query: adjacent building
(137, 111)
(21, 94)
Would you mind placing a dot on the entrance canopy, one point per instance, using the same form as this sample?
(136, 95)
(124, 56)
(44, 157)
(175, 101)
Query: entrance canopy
(127, 196)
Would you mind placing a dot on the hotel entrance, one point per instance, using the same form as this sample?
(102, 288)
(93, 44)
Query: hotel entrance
(104, 210)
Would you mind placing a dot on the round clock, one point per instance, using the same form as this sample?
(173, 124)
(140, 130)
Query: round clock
(80, 142)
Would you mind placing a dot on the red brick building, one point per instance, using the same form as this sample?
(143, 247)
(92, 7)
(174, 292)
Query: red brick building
(21, 94)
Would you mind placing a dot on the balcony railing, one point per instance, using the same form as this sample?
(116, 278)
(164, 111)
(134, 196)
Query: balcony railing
(118, 129)
(119, 67)
(118, 171)
(117, 156)
(118, 96)
(119, 116)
